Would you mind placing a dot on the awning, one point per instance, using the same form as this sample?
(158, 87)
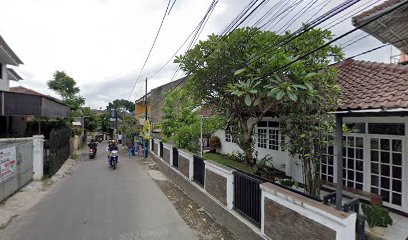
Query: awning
(7, 55)
(20, 104)
(391, 28)
(12, 75)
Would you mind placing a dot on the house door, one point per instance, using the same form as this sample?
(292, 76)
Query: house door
(387, 169)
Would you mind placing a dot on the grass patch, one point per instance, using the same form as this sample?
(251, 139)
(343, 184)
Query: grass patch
(75, 156)
(216, 157)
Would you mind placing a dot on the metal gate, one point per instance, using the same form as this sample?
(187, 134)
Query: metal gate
(152, 145)
(199, 170)
(247, 196)
(56, 151)
(161, 149)
(175, 157)
(18, 171)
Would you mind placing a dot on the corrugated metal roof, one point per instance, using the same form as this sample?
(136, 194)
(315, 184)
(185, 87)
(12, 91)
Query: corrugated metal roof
(391, 28)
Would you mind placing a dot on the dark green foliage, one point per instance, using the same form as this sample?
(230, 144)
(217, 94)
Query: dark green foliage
(121, 105)
(287, 182)
(66, 87)
(376, 216)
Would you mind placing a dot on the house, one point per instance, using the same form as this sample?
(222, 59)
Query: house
(375, 106)
(155, 99)
(18, 105)
(140, 108)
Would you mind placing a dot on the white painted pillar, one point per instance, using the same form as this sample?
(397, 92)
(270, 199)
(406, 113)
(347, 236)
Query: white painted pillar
(158, 149)
(38, 157)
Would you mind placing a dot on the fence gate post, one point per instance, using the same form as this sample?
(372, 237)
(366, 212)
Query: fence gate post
(38, 157)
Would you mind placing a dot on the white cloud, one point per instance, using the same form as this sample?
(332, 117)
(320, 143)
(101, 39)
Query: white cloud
(102, 44)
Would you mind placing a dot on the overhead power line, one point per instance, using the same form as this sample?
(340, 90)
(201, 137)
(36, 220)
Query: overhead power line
(151, 49)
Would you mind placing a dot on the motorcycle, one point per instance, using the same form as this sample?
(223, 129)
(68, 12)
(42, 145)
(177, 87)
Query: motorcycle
(92, 150)
(113, 159)
(92, 153)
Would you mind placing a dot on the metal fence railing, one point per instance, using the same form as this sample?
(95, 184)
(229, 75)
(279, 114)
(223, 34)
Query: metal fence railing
(247, 196)
(175, 157)
(56, 151)
(198, 170)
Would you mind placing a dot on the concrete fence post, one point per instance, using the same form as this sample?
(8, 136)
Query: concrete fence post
(38, 157)
(158, 149)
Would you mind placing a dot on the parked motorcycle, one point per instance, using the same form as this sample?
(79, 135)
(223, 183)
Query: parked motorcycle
(113, 159)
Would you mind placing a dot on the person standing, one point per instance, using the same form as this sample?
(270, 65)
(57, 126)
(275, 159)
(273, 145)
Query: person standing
(120, 138)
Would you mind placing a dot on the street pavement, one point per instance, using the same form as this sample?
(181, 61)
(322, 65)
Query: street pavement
(97, 202)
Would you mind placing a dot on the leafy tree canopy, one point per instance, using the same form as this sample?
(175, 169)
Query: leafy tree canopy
(121, 105)
(66, 87)
(247, 74)
(181, 121)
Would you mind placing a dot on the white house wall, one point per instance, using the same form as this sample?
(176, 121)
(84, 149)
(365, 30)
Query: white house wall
(293, 167)
(226, 147)
(4, 83)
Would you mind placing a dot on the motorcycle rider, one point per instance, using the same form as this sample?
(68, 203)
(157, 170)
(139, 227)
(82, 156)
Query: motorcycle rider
(92, 145)
(111, 146)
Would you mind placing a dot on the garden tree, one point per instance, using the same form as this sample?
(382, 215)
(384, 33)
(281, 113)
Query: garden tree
(130, 127)
(121, 105)
(181, 121)
(105, 122)
(90, 119)
(236, 76)
(66, 87)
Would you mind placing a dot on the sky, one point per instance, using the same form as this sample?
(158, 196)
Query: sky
(103, 44)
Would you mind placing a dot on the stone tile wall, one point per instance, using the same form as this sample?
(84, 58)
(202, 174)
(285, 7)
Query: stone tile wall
(184, 165)
(166, 155)
(216, 185)
(284, 223)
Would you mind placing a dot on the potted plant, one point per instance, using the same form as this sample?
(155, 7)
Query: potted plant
(214, 143)
(377, 217)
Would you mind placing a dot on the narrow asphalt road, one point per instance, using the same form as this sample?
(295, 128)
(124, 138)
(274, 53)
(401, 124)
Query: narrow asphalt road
(97, 202)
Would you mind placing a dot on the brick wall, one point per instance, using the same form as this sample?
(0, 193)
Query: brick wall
(166, 155)
(184, 166)
(216, 185)
(284, 223)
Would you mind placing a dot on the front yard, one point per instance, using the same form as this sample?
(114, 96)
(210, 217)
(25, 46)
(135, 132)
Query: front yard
(224, 160)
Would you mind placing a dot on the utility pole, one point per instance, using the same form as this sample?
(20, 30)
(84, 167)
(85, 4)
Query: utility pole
(145, 141)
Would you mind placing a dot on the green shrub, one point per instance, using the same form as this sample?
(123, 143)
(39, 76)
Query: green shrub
(214, 142)
(287, 182)
(376, 216)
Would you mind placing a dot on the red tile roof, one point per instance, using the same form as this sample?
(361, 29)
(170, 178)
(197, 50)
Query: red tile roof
(24, 90)
(368, 85)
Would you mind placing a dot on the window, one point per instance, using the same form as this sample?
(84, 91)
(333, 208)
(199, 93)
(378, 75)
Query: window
(327, 164)
(353, 155)
(386, 169)
(228, 137)
(262, 137)
(356, 127)
(386, 128)
(268, 135)
(273, 139)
